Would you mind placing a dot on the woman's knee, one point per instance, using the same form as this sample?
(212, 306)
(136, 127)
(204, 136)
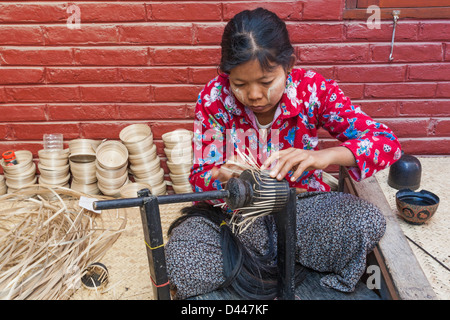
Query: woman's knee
(364, 221)
(194, 258)
(369, 218)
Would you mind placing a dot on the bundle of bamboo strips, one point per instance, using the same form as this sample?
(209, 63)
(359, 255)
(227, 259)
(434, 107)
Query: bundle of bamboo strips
(47, 240)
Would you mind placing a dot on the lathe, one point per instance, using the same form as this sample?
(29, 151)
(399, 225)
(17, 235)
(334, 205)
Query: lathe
(253, 193)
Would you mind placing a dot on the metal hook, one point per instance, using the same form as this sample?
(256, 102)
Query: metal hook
(396, 14)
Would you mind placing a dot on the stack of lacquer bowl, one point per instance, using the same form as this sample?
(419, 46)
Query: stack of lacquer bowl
(111, 167)
(130, 190)
(21, 174)
(82, 165)
(3, 187)
(54, 167)
(178, 149)
(145, 164)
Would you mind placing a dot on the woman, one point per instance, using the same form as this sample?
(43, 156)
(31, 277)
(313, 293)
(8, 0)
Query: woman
(261, 106)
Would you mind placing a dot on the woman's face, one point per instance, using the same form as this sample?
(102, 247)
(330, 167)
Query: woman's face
(256, 88)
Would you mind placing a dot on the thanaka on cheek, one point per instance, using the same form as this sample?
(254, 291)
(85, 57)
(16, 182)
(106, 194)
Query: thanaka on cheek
(238, 94)
(277, 88)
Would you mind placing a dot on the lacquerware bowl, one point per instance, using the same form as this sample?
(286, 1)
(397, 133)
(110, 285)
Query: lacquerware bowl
(151, 167)
(110, 173)
(25, 162)
(90, 188)
(155, 179)
(183, 188)
(112, 155)
(416, 207)
(83, 150)
(3, 187)
(177, 138)
(83, 172)
(159, 189)
(179, 168)
(130, 190)
(144, 157)
(138, 138)
(179, 179)
(112, 183)
(54, 158)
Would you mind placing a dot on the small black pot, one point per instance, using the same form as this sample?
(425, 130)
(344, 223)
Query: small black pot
(405, 173)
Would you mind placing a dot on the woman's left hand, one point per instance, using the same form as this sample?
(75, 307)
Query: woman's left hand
(300, 160)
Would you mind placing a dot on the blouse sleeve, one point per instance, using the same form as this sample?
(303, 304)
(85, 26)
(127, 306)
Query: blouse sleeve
(208, 140)
(373, 144)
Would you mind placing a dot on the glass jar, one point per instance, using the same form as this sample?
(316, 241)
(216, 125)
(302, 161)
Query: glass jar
(53, 141)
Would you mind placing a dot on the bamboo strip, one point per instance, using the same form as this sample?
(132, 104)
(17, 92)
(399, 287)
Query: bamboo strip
(266, 199)
(44, 234)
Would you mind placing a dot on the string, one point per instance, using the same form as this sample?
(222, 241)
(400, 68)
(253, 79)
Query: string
(153, 248)
(159, 285)
(161, 245)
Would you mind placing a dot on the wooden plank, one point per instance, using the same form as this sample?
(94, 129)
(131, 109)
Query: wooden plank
(387, 290)
(405, 271)
(309, 289)
(405, 13)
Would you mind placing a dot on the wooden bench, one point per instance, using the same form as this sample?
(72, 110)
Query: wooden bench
(402, 275)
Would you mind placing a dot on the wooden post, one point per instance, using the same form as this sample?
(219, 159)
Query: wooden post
(286, 241)
(151, 222)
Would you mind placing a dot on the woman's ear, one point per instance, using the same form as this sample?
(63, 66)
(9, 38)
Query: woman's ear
(292, 62)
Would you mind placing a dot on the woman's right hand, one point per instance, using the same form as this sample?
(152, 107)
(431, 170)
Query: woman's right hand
(230, 169)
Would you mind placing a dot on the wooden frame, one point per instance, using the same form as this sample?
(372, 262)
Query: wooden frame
(419, 9)
(402, 275)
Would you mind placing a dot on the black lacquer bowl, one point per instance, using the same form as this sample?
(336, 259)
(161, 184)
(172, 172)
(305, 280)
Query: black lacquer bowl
(416, 207)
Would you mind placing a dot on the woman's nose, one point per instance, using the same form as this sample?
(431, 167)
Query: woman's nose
(255, 93)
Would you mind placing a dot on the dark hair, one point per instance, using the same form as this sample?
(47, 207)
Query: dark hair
(256, 34)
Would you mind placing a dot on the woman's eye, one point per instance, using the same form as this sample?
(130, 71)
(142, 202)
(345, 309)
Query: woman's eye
(238, 84)
(267, 83)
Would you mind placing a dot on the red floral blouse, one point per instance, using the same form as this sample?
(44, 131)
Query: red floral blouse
(222, 124)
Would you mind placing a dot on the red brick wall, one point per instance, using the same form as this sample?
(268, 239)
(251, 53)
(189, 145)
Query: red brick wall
(145, 61)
